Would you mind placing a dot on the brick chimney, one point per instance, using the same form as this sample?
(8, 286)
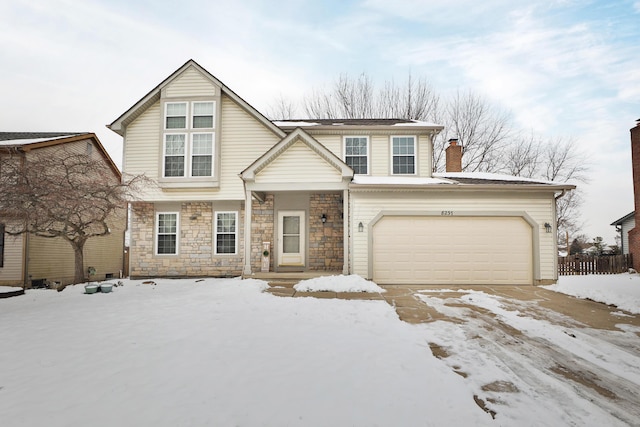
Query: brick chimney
(453, 155)
(634, 234)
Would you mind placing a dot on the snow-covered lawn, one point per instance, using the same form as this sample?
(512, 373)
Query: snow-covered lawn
(221, 352)
(621, 290)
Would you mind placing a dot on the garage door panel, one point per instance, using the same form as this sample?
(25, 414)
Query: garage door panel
(452, 250)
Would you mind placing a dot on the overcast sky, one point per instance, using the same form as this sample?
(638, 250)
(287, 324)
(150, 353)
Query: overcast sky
(564, 68)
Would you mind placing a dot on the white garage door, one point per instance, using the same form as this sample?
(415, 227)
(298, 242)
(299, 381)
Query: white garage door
(452, 250)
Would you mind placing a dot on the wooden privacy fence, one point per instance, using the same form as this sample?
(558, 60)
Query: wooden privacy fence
(581, 264)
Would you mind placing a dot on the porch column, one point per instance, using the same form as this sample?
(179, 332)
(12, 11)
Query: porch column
(345, 228)
(247, 232)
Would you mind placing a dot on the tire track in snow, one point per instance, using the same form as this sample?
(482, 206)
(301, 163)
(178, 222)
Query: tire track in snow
(537, 366)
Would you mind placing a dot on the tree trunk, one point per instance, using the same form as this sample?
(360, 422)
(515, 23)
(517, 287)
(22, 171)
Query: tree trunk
(78, 251)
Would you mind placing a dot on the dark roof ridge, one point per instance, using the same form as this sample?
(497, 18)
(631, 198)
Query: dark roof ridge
(10, 136)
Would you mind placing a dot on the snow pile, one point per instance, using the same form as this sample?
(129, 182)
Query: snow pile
(7, 289)
(340, 283)
(621, 290)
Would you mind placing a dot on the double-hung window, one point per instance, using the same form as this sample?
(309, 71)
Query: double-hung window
(188, 142)
(201, 154)
(167, 233)
(403, 155)
(356, 153)
(202, 115)
(226, 227)
(174, 154)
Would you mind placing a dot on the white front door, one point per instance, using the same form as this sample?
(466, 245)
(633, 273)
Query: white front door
(291, 238)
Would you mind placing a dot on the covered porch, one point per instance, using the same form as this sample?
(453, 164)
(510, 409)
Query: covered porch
(297, 209)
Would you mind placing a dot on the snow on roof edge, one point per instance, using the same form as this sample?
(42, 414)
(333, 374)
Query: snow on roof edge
(492, 176)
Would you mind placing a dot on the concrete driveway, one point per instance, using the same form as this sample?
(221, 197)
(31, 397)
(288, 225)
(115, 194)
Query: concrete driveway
(585, 324)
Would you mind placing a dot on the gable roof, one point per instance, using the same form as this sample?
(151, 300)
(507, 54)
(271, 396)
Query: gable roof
(153, 96)
(624, 218)
(27, 141)
(274, 152)
(8, 139)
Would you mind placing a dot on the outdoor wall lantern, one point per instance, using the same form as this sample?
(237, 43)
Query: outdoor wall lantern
(360, 228)
(324, 218)
(547, 227)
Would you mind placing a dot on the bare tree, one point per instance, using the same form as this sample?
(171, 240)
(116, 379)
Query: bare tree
(482, 131)
(64, 194)
(281, 109)
(348, 98)
(564, 162)
(522, 156)
(413, 100)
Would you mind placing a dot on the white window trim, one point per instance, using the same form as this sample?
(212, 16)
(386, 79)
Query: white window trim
(156, 233)
(189, 173)
(415, 154)
(192, 115)
(164, 117)
(215, 233)
(164, 155)
(344, 150)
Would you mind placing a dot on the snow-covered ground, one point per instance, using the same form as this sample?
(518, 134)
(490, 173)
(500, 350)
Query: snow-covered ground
(621, 290)
(222, 352)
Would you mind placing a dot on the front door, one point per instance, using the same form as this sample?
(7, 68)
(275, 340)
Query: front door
(291, 238)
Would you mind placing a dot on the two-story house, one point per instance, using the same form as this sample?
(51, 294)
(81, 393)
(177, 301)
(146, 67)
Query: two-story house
(31, 260)
(348, 196)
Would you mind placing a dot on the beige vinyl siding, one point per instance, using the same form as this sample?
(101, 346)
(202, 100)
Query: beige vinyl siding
(425, 160)
(365, 206)
(11, 272)
(243, 140)
(333, 143)
(53, 259)
(190, 83)
(380, 149)
(379, 152)
(143, 144)
(299, 164)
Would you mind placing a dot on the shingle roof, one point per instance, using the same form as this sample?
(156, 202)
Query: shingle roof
(496, 181)
(15, 136)
(356, 122)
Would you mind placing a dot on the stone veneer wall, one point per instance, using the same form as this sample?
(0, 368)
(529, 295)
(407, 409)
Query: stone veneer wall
(262, 222)
(196, 252)
(326, 240)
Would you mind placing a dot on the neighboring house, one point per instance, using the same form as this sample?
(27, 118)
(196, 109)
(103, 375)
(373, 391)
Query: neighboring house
(348, 196)
(634, 234)
(623, 226)
(29, 260)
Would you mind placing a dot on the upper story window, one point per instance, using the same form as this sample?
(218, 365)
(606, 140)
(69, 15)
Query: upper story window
(356, 153)
(188, 143)
(175, 115)
(202, 115)
(403, 155)
(174, 154)
(201, 154)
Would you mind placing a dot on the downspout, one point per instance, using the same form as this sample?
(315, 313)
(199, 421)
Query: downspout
(246, 271)
(25, 257)
(555, 238)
